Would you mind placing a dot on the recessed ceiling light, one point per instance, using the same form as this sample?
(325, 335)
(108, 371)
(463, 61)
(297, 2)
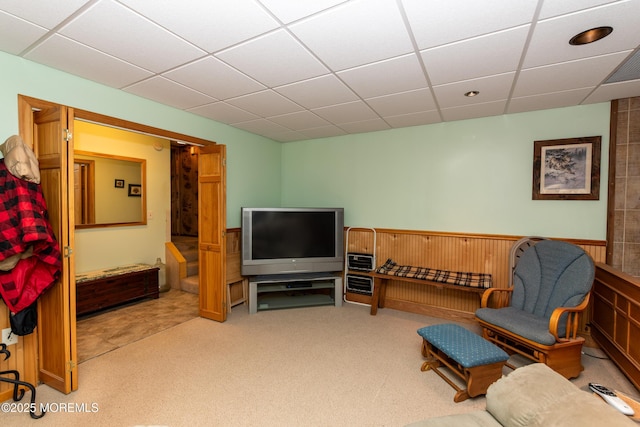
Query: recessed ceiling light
(472, 93)
(590, 36)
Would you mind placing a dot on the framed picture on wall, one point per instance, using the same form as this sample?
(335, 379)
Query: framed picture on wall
(567, 169)
(119, 183)
(135, 190)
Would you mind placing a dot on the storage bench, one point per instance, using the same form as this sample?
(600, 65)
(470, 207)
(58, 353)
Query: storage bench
(475, 360)
(101, 289)
(443, 279)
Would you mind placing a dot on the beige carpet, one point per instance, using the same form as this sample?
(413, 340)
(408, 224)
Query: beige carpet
(319, 366)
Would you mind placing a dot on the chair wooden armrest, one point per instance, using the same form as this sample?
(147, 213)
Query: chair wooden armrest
(572, 322)
(502, 298)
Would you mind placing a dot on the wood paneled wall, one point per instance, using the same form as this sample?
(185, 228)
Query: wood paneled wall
(184, 191)
(474, 253)
(233, 241)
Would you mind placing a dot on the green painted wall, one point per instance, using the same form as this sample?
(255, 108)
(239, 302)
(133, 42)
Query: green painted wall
(469, 176)
(253, 162)
(253, 172)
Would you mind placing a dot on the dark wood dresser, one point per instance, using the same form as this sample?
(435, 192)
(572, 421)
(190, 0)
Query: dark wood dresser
(102, 289)
(615, 319)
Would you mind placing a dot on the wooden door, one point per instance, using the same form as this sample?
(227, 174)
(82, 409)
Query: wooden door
(48, 128)
(212, 208)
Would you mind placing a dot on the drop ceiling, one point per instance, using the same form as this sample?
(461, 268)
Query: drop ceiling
(299, 69)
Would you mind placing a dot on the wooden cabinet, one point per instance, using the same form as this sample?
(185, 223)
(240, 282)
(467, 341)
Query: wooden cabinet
(615, 319)
(109, 288)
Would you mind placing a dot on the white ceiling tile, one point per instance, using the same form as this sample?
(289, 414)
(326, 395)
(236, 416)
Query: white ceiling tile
(550, 41)
(554, 8)
(214, 78)
(438, 23)
(474, 111)
(373, 79)
(17, 34)
(45, 13)
(169, 93)
(288, 11)
(347, 112)
(403, 103)
(220, 24)
(549, 100)
(569, 75)
(414, 119)
(357, 64)
(372, 125)
(110, 27)
(323, 132)
(67, 55)
(318, 92)
(620, 90)
(223, 112)
(274, 59)
(493, 88)
(265, 103)
(289, 136)
(262, 126)
(342, 37)
(299, 120)
(468, 59)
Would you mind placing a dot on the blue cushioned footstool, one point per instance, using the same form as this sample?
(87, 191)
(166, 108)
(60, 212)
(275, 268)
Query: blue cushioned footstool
(477, 361)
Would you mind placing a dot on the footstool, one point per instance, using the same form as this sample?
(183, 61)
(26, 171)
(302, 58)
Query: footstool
(477, 361)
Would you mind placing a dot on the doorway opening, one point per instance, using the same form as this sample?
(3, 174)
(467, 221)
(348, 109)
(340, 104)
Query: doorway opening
(50, 354)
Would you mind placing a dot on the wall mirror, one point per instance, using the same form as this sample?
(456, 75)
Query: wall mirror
(109, 190)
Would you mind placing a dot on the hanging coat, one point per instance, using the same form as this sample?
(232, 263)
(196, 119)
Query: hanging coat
(24, 229)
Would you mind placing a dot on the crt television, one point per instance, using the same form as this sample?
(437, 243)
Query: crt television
(292, 240)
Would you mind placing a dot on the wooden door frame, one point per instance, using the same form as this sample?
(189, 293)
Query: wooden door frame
(26, 106)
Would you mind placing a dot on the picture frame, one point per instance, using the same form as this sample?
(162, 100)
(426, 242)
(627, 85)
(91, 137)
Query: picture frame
(567, 169)
(119, 183)
(135, 190)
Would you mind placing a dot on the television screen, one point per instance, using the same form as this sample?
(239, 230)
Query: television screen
(292, 235)
(291, 240)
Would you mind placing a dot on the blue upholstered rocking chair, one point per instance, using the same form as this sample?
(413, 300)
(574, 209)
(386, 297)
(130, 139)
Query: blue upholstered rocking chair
(538, 316)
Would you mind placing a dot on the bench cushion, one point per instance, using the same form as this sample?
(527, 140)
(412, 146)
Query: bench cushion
(462, 345)
(460, 278)
(519, 322)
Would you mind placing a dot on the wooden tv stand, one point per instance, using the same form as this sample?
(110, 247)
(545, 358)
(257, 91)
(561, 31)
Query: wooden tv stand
(295, 290)
(102, 289)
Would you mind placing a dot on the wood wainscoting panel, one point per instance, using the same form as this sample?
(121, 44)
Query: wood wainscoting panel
(474, 253)
(233, 255)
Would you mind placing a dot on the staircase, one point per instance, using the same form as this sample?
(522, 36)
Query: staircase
(188, 247)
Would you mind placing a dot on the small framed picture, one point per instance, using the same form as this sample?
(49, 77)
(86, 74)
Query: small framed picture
(119, 183)
(135, 190)
(567, 169)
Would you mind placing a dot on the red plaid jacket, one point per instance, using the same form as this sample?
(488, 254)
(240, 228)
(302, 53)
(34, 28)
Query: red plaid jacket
(24, 222)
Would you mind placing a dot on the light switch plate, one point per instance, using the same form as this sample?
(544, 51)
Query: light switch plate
(9, 338)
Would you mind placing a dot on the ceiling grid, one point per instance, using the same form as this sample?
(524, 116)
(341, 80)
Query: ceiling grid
(292, 70)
